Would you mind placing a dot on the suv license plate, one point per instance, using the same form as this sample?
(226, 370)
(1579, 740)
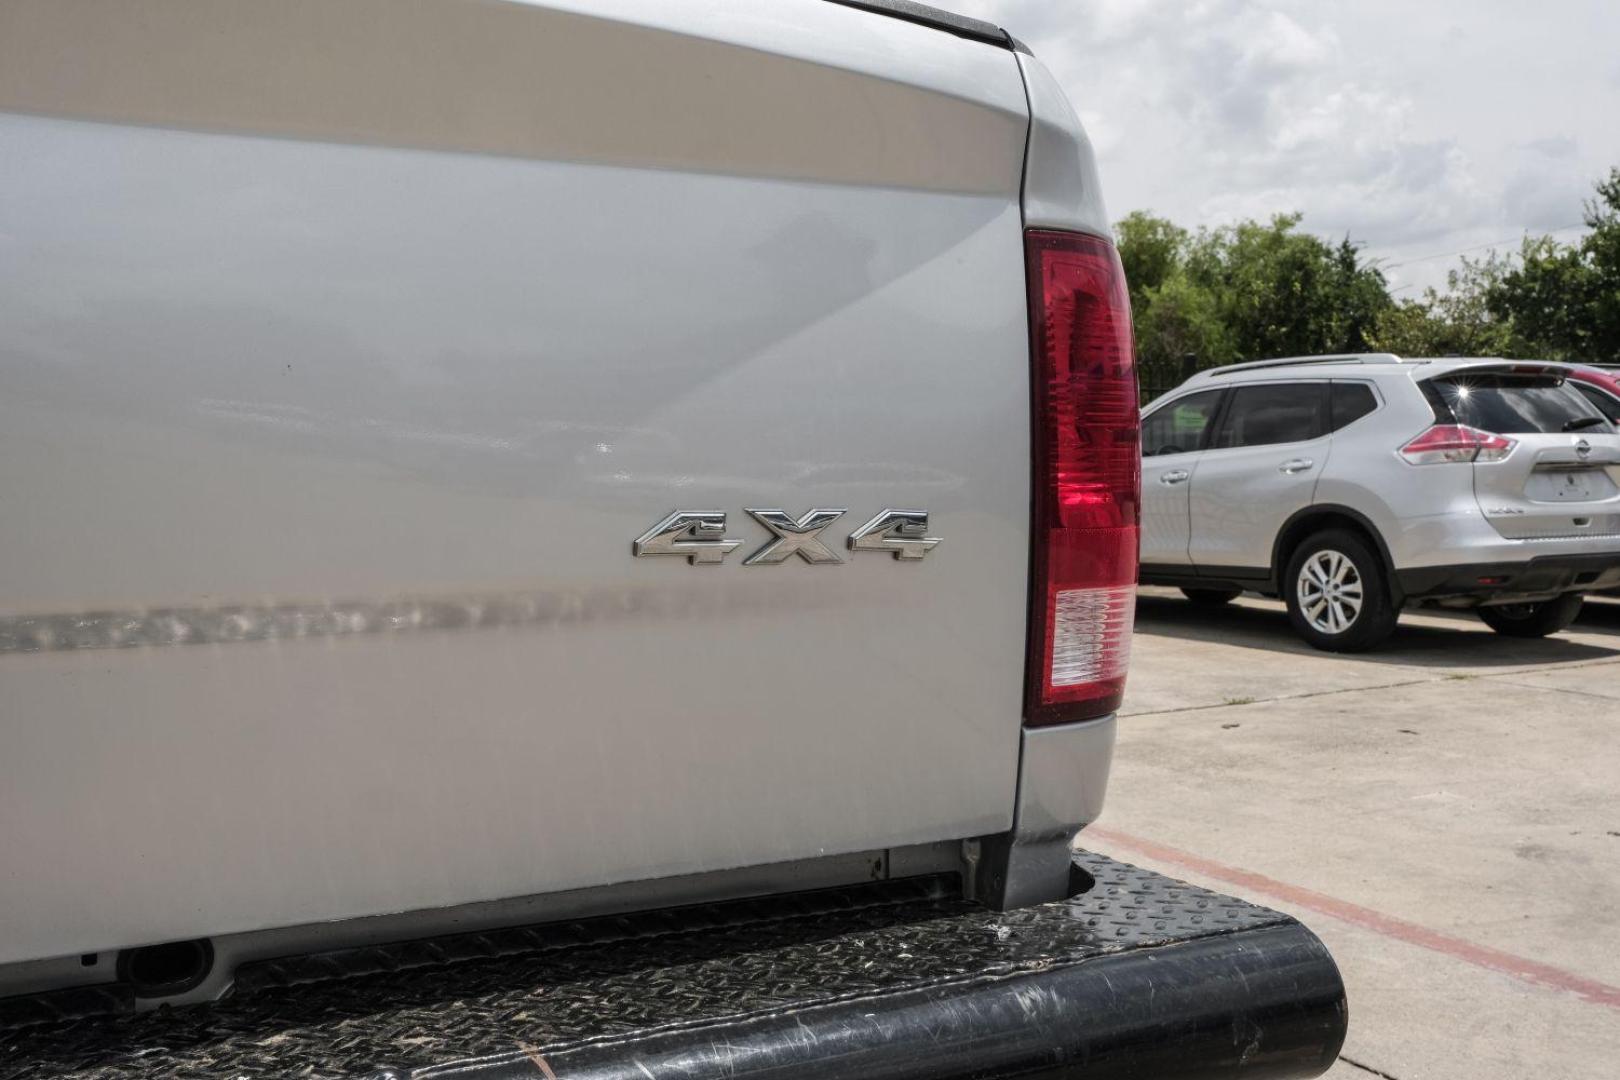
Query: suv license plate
(1583, 485)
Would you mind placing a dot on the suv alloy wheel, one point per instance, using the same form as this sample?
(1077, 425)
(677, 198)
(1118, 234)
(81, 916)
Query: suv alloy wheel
(1338, 593)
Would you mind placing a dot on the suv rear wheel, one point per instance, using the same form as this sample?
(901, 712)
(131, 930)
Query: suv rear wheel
(1338, 593)
(1533, 620)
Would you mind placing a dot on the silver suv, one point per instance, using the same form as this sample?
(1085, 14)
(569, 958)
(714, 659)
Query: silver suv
(1354, 485)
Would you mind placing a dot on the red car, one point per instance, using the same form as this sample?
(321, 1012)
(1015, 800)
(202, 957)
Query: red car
(1601, 385)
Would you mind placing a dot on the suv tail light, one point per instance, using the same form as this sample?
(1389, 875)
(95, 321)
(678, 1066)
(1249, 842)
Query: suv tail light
(1456, 442)
(1088, 478)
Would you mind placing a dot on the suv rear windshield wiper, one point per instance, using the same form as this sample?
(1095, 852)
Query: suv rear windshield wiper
(1581, 423)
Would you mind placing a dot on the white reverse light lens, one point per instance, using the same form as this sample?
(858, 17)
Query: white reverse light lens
(1091, 634)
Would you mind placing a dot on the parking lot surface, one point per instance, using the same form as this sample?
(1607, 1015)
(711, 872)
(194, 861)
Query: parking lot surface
(1444, 813)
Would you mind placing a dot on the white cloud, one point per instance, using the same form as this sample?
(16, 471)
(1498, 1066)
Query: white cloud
(1414, 128)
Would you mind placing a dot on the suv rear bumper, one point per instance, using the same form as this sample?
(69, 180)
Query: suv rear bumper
(1134, 975)
(1547, 576)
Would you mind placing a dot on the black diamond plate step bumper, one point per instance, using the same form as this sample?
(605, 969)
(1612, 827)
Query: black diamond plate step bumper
(1137, 976)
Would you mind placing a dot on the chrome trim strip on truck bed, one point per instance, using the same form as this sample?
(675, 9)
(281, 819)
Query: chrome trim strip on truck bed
(229, 624)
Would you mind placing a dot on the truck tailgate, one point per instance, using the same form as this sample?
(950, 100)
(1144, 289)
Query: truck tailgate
(330, 408)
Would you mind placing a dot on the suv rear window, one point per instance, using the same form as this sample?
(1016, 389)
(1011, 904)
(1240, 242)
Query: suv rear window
(1274, 413)
(1511, 404)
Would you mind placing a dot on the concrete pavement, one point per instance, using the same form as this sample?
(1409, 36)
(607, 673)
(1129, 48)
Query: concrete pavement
(1444, 812)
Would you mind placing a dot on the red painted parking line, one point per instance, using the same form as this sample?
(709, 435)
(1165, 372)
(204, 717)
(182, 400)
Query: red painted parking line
(1529, 971)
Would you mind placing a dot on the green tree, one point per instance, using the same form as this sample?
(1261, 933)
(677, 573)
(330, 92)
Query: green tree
(1545, 298)
(1281, 292)
(1152, 249)
(1243, 292)
(1176, 319)
(1457, 322)
(1602, 249)
(1259, 289)
(1563, 300)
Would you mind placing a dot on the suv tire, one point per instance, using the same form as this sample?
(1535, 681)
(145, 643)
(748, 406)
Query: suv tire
(1211, 597)
(1533, 620)
(1338, 593)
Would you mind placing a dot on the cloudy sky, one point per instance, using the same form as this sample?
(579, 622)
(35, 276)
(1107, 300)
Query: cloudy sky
(1419, 127)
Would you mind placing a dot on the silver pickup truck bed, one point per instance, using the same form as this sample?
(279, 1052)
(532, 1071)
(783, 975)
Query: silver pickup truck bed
(575, 537)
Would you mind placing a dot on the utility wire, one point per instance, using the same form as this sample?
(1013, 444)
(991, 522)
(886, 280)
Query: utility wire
(1476, 247)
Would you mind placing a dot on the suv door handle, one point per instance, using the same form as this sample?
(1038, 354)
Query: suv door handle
(1175, 476)
(1299, 464)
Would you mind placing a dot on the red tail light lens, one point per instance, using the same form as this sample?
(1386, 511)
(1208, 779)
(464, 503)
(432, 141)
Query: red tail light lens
(1456, 442)
(1088, 478)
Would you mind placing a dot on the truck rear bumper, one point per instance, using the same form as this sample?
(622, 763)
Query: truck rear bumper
(1134, 976)
(1545, 576)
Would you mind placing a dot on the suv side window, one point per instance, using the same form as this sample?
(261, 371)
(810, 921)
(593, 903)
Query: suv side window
(1274, 413)
(1182, 426)
(1351, 401)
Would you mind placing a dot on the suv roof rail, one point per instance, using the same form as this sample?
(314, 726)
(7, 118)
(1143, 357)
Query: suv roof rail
(1291, 361)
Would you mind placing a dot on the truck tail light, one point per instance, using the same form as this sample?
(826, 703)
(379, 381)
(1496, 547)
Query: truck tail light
(1088, 478)
(1456, 442)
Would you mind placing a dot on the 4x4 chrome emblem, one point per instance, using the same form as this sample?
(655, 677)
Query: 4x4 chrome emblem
(700, 535)
(802, 537)
(902, 533)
